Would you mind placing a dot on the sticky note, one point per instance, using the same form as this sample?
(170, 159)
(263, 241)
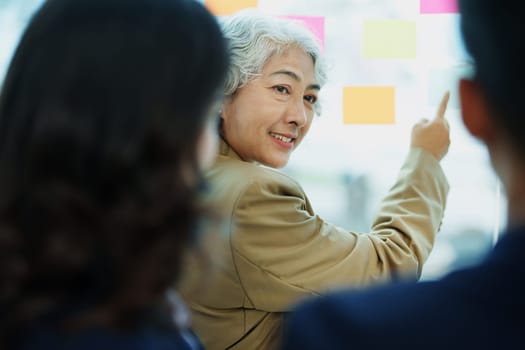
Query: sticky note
(438, 6)
(445, 79)
(314, 23)
(389, 39)
(228, 7)
(369, 105)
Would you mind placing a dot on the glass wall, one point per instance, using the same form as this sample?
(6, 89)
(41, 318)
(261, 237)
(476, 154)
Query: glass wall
(402, 55)
(346, 164)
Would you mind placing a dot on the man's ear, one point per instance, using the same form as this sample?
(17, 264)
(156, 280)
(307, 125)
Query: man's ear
(475, 111)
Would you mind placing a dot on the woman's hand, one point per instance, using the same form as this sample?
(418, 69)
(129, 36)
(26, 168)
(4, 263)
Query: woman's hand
(433, 135)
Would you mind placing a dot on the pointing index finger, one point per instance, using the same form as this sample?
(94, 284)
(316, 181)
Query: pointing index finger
(443, 106)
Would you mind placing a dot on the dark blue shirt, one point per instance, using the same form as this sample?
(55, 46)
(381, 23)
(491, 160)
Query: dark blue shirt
(101, 339)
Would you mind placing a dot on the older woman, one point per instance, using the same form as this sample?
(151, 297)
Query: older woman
(276, 249)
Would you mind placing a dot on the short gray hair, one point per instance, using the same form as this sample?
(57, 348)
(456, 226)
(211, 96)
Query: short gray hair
(254, 37)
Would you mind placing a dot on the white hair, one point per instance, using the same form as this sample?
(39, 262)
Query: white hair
(254, 37)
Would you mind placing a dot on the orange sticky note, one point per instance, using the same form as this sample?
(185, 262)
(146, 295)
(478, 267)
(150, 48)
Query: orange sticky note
(228, 7)
(369, 105)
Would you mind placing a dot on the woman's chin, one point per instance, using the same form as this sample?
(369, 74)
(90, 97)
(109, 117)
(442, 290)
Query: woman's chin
(276, 163)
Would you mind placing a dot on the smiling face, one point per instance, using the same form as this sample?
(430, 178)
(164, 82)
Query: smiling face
(265, 120)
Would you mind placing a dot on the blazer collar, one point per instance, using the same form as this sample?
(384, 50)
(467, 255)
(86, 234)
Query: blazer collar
(227, 151)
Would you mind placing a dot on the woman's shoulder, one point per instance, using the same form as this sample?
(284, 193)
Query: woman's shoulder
(240, 172)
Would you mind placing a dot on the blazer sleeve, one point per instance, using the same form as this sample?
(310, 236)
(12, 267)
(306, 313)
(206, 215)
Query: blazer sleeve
(283, 251)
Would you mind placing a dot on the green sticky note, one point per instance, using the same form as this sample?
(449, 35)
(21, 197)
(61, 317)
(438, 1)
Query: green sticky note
(389, 39)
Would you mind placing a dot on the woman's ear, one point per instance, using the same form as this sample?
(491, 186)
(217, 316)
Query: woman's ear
(227, 105)
(208, 144)
(475, 111)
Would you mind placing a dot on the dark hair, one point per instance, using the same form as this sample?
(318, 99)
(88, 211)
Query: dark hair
(100, 114)
(492, 31)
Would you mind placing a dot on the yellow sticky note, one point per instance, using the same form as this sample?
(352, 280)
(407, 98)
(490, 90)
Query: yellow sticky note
(389, 39)
(369, 105)
(228, 7)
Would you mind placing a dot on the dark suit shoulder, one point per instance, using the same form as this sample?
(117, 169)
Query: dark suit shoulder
(471, 308)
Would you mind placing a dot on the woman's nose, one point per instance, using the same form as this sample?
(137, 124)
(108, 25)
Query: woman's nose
(296, 113)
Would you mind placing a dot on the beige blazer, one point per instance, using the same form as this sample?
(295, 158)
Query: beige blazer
(277, 251)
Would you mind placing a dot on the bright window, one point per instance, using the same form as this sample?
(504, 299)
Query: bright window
(398, 56)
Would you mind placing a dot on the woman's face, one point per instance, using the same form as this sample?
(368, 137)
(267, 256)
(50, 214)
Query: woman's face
(266, 120)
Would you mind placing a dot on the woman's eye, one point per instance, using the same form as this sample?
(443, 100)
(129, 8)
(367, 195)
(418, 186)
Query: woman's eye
(281, 89)
(311, 99)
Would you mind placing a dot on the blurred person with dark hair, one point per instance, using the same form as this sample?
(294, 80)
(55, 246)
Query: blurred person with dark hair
(106, 121)
(480, 307)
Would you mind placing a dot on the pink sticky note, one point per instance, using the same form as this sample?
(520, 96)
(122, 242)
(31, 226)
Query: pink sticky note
(314, 23)
(438, 6)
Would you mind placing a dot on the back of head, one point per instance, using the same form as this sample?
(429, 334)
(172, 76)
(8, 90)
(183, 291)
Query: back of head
(254, 37)
(100, 113)
(492, 32)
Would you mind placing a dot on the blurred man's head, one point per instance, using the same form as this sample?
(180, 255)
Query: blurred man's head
(492, 32)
